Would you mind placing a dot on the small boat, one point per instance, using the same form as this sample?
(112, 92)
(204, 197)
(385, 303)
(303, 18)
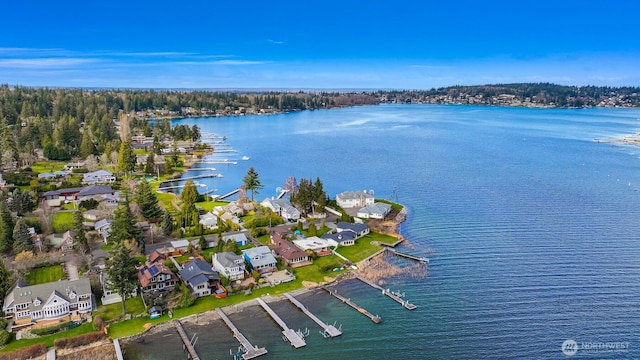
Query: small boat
(245, 158)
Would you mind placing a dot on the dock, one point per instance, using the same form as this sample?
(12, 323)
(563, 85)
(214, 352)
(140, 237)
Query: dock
(250, 351)
(405, 303)
(329, 330)
(375, 318)
(193, 355)
(228, 194)
(293, 337)
(421, 259)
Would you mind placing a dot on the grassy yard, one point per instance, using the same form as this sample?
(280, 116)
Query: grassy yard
(166, 201)
(44, 275)
(209, 205)
(315, 271)
(48, 340)
(364, 247)
(133, 306)
(47, 166)
(62, 221)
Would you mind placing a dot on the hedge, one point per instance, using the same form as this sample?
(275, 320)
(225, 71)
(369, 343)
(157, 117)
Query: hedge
(80, 340)
(25, 353)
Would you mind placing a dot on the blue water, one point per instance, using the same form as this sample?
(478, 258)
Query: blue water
(534, 227)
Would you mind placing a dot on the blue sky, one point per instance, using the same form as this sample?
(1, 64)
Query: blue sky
(318, 44)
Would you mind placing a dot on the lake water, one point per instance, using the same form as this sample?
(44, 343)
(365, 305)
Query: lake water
(532, 229)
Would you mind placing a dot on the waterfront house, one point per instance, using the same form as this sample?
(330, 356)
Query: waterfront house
(200, 278)
(283, 208)
(48, 304)
(375, 211)
(98, 177)
(354, 199)
(345, 238)
(261, 259)
(290, 254)
(156, 276)
(359, 229)
(229, 265)
(109, 295)
(319, 246)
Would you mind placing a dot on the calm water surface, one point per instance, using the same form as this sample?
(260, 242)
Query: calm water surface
(535, 229)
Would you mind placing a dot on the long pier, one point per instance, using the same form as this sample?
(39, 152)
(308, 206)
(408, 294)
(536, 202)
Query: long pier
(375, 318)
(421, 259)
(328, 329)
(193, 355)
(296, 340)
(250, 350)
(228, 194)
(405, 303)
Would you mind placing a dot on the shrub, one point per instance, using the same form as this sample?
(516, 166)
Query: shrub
(80, 340)
(3, 322)
(51, 329)
(30, 352)
(5, 337)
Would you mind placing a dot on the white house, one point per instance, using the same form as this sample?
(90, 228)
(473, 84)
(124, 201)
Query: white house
(229, 265)
(345, 238)
(98, 177)
(315, 244)
(354, 199)
(375, 211)
(359, 229)
(283, 208)
(209, 221)
(63, 300)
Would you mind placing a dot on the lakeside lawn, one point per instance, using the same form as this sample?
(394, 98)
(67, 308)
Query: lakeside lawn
(44, 275)
(49, 339)
(365, 247)
(209, 205)
(62, 221)
(133, 306)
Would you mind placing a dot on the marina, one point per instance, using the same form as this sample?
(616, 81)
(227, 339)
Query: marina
(375, 318)
(249, 350)
(395, 296)
(327, 330)
(295, 338)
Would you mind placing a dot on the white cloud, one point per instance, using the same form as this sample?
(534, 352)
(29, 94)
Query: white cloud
(277, 42)
(40, 63)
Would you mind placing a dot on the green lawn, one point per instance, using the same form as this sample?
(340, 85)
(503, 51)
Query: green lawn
(209, 205)
(62, 221)
(315, 273)
(166, 201)
(133, 306)
(44, 275)
(49, 339)
(364, 247)
(47, 166)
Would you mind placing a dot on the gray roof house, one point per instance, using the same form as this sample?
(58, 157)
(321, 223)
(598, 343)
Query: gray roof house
(283, 208)
(345, 238)
(200, 277)
(239, 238)
(98, 177)
(90, 191)
(260, 258)
(63, 300)
(359, 229)
(229, 264)
(375, 211)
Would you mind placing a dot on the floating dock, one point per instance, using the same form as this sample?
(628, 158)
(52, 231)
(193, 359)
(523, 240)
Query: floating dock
(293, 337)
(421, 259)
(185, 340)
(250, 351)
(328, 329)
(375, 318)
(405, 303)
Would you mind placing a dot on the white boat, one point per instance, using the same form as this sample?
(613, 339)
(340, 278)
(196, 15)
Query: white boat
(245, 158)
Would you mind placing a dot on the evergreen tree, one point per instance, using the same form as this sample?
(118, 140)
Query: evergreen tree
(126, 157)
(304, 196)
(167, 224)
(6, 228)
(189, 198)
(148, 201)
(5, 280)
(80, 243)
(123, 226)
(86, 145)
(252, 182)
(150, 165)
(121, 272)
(21, 237)
(319, 195)
(202, 243)
(157, 146)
